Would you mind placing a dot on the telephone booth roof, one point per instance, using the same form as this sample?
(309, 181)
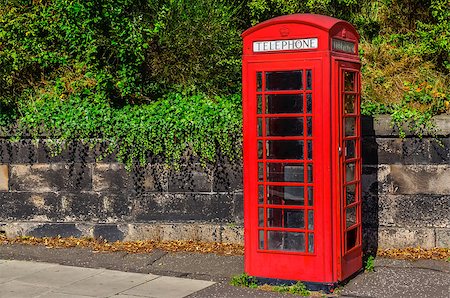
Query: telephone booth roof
(325, 23)
(331, 33)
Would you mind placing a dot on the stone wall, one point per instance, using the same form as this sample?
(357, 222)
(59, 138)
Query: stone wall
(406, 193)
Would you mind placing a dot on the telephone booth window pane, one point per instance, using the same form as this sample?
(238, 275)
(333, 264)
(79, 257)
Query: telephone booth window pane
(260, 171)
(352, 238)
(259, 99)
(310, 220)
(284, 127)
(260, 149)
(350, 171)
(309, 79)
(281, 149)
(309, 103)
(350, 149)
(285, 218)
(350, 128)
(311, 242)
(350, 193)
(258, 81)
(350, 216)
(310, 149)
(310, 196)
(285, 172)
(261, 239)
(284, 103)
(309, 126)
(285, 195)
(260, 217)
(287, 241)
(349, 81)
(349, 103)
(284, 80)
(310, 173)
(260, 128)
(260, 194)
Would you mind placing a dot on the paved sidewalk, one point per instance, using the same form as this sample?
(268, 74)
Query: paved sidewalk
(32, 279)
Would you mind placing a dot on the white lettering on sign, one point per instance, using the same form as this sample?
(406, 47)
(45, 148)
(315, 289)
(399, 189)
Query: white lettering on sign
(344, 46)
(285, 45)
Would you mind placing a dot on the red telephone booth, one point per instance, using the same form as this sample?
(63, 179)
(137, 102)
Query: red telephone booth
(302, 149)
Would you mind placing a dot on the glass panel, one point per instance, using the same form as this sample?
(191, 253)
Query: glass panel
(258, 81)
(350, 216)
(284, 103)
(350, 171)
(284, 127)
(259, 99)
(260, 217)
(309, 79)
(283, 80)
(349, 103)
(350, 193)
(281, 149)
(310, 220)
(350, 149)
(310, 196)
(260, 194)
(352, 238)
(285, 195)
(309, 103)
(260, 127)
(285, 218)
(285, 172)
(260, 149)
(309, 126)
(261, 239)
(310, 149)
(310, 173)
(260, 171)
(349, 81)
(286, 241)
(350, 127)
(311, 242)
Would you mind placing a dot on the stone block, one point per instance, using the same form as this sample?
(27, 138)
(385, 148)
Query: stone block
(115, 206)
(410, 211)
(155, 178)
(160, 206)
(82, 206)
(228, 177)
(54, 230)
(109, 232)
(440, 150)
(420, 179)
(144, 231)
(238, 208)
(72, 152)
(4, 178)
(209, 232)
(443, 238)
(50, 177)
(370, 210)
(381, 150)
(30, 206)
(179, 231)
(21, 152)
(416, 151)
(110, 177)
(374, 180)
(233, 234)
(191, 178)
(394, 237)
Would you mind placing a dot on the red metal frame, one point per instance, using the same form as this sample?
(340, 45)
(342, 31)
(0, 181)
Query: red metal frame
(330, 261)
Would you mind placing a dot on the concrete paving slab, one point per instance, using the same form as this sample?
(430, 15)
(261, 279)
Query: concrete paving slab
(107, 283)
(18, 289)
(58, 276)
(168, 287)
(10, 270)
(61, 295)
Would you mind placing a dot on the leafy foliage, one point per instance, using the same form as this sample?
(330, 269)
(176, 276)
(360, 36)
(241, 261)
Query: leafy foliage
(370, 264)
(244, 280)
(297, 289)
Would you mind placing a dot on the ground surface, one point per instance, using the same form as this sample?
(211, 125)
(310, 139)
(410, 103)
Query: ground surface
(391, 278)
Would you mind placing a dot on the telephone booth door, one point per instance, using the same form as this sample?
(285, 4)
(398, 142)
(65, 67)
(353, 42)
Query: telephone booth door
(288, 104)
(349, 166)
